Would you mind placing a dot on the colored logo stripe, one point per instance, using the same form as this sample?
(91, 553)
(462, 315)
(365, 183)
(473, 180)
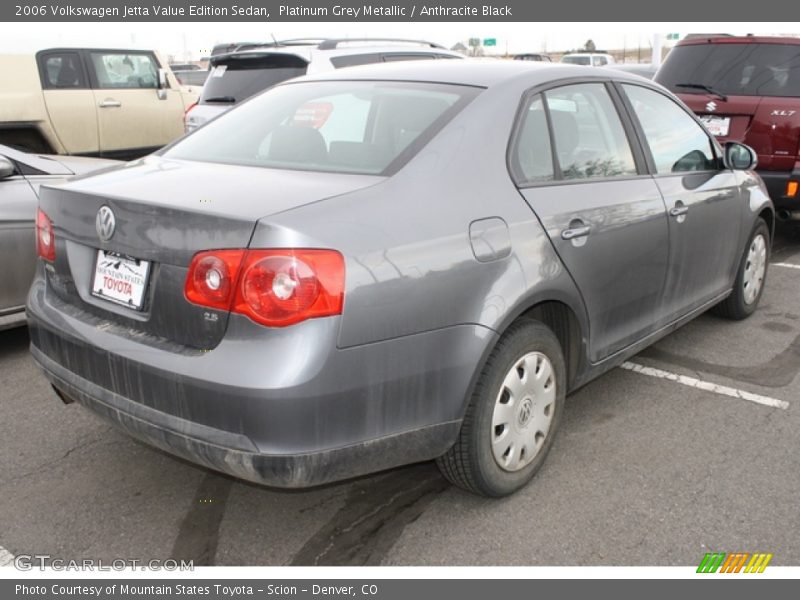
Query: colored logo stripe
(734, 562)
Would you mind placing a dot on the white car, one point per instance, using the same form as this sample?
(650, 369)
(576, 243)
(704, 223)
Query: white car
(237, 75)
(588, 59)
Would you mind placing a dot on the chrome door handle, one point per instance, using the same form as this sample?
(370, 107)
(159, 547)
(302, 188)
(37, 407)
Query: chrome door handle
(575, 232)
(678, 211)
(110, 104)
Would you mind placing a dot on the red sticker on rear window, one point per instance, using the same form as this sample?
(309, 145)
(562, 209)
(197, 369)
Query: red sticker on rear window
(312, 114)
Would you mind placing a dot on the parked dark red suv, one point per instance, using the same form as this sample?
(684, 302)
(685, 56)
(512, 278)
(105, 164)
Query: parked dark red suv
(746, 89)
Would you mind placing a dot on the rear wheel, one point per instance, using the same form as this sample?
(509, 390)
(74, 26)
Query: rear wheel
(513, 415)
(750, 278)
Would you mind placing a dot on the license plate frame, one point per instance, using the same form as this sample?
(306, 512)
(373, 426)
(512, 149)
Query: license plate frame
(120, 279)
(716, 125)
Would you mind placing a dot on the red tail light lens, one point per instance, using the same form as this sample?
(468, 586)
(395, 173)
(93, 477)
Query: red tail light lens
(45, 238)
(212, 278)
(275, 288)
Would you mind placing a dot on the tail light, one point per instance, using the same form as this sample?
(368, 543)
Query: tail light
(276, 287)
(186, 116)
(45, 238)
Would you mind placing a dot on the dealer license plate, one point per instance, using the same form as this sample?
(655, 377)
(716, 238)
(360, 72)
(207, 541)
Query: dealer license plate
(120, 279)
(717, 126)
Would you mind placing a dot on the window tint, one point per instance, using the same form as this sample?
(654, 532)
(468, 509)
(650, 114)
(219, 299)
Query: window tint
(676, 141)
(332, 126)
(353, 60)
(532, 156)
(576, 60)
(239, 76)
(734, 69)
(387, 57)
(124, 70)
(589, 138)
(62, 71)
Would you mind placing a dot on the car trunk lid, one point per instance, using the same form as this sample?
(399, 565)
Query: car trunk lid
(165, 211)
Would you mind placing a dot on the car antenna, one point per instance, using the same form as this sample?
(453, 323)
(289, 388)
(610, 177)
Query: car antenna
(274, 39)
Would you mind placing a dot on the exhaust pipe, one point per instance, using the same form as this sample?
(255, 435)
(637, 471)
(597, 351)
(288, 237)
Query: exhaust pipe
(788, 215)
(64, 398)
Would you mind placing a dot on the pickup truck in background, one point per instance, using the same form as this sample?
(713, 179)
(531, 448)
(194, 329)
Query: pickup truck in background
(92, 102)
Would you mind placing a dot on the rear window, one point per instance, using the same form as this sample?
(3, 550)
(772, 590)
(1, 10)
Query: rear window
(333, 126)
(237, 77)
(734, 69)
(577, 60)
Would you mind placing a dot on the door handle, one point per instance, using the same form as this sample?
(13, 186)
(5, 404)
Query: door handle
(575, 232)
(679, 210)
(109, 103)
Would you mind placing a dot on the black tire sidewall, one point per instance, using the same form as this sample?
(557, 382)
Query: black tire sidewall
(524, 337)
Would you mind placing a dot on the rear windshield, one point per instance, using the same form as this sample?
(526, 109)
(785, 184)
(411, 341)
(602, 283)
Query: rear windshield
(236, 77)
(363, 127)
(734, 69)
(577, 60)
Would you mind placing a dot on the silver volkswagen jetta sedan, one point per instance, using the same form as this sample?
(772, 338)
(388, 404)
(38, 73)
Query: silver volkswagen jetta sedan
(392, 264)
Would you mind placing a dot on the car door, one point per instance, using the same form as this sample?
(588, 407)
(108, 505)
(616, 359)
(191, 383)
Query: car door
(69, 100)
(134, 115)
(703, 199)
(17, 248)
(574, 162)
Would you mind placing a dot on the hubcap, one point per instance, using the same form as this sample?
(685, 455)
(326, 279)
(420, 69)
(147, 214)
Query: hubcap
(754, 269)
(523, 411)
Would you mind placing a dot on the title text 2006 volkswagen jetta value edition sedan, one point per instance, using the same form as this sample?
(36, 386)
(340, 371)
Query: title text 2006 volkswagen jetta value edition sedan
(392, 264)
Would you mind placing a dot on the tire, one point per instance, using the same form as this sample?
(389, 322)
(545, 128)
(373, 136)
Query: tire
(487, 458)
(755, 259)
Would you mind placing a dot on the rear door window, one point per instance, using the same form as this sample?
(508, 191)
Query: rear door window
(62, 71)
(677, 143)
(589, 138)
(734, 69)
(237, 77)
(532, 154)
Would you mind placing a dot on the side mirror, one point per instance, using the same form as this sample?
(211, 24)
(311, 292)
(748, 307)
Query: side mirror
(7, 168)
(740, 156)
(163, 81)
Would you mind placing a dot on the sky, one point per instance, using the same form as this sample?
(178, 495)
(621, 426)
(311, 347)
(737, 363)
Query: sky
(190, 41)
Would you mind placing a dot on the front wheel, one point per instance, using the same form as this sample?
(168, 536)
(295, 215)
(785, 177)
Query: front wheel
(750, 278)
(513, 414)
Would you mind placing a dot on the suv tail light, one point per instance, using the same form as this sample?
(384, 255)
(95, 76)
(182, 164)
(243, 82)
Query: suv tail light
(276, 287)
(45, 238)
(186, 116)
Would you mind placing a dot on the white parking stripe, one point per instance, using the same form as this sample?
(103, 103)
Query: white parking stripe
(6, 558)
(787, 265)
(706, 385)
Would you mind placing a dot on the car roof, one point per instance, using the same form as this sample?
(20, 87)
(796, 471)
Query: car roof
(730, 39)
(469, 72)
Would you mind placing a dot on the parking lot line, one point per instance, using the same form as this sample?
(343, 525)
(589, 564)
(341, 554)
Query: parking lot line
(6, 558)
(706, 385)
(787, 265)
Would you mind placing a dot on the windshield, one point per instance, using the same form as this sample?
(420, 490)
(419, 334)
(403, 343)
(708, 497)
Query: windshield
(577, 60)
(333, 126)
(733, 69)
(237, 77)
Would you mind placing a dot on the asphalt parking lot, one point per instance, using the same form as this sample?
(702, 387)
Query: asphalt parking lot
(645, 471)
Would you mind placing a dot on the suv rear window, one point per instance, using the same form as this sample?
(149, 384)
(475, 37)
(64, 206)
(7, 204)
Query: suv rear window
(236, 77)
(734, 69)
(332, 126)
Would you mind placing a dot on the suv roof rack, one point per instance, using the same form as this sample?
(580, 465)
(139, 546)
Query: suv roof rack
(334, 43)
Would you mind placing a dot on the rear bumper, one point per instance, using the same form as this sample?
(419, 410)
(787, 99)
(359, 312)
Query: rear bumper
(776, 186)
(284, 409)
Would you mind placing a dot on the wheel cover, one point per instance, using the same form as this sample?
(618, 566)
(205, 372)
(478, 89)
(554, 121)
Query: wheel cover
(755, 268)
(523, 411)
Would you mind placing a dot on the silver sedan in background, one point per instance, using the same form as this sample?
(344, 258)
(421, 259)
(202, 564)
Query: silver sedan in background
(21, 175)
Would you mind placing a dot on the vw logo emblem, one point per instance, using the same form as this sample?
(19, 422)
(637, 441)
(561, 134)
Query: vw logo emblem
(711, 106)
(525, 412)
(105, 223)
